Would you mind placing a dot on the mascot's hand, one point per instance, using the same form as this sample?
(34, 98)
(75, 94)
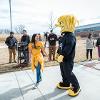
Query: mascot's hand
(60, 58)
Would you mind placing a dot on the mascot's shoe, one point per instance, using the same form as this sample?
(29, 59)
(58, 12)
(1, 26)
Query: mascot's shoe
(73, 93)
(63, 86)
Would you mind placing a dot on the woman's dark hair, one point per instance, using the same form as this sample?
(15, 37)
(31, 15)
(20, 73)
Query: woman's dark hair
(33, 38)
(89, 36)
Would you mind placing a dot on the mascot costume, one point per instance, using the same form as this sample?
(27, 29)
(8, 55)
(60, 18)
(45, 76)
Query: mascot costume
(66, 53)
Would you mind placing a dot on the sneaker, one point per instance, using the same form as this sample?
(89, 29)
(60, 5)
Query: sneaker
(62, 85)
(73, 93)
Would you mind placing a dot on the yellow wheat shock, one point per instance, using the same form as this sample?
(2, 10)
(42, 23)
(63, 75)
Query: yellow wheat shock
(67, 23)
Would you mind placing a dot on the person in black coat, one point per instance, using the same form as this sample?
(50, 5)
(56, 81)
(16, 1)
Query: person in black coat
(25, 39)
(98, 45)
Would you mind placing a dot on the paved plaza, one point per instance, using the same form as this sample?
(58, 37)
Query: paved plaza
(20, 85)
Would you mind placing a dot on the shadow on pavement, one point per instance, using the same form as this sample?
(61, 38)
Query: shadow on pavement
(57, 94)
(15, 93)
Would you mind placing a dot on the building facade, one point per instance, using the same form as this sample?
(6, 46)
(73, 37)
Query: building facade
(84, 30)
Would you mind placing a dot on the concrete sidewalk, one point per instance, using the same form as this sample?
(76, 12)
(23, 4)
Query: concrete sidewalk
(20, 85)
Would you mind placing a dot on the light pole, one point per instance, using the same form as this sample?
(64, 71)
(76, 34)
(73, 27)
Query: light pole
(10, 15)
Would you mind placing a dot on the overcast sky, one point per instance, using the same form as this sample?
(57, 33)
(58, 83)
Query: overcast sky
(35, 14)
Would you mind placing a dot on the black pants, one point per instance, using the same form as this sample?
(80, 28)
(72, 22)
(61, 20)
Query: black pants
(68, 76)
(87, 53)
(26, 56)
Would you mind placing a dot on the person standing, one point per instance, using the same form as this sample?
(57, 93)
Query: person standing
(67, 54)
(52, 39)
(98, 46)
(25, 39)
(11, 42)
(89, 46)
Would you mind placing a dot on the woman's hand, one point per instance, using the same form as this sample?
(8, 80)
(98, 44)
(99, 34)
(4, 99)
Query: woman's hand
(42, 69)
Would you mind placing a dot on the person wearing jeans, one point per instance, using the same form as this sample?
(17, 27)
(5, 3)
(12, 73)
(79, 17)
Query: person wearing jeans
(37, 60)
(25, 39)
(26, 56)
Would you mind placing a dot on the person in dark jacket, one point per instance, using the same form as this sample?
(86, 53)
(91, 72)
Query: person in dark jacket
(46, 37)
(11, 42)
(52, 39)
(98, 45)
(25, 39)
(60, 39)
(67, 54)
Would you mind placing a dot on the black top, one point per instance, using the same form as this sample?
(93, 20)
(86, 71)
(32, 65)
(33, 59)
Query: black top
(68, 46)
(25, 41)
(11, 42)
(52, 38)
(98, 42)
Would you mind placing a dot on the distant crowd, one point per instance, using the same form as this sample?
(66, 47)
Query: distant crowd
(12, 44)
(51, 39)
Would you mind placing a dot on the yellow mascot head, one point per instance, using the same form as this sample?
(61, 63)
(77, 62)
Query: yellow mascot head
(67, 23)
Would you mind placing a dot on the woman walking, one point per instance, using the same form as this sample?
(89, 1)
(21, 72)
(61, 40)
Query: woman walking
(37, 60)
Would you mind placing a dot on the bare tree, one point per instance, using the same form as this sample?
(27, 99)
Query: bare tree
(51, 22)
(19, 28)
